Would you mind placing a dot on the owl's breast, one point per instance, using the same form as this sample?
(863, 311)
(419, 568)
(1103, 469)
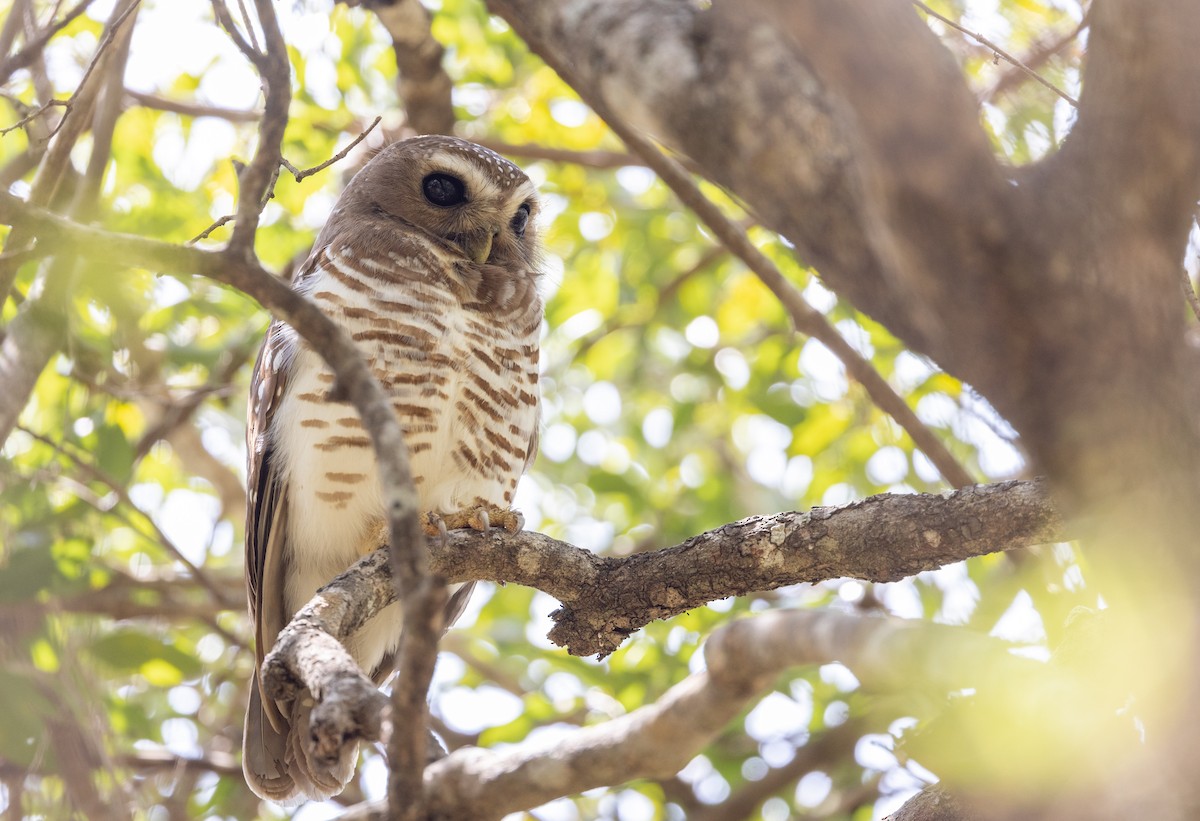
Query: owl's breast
(463, 381)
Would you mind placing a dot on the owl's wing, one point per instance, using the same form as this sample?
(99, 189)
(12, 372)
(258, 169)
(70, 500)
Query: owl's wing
(266, 733)
(266, 509)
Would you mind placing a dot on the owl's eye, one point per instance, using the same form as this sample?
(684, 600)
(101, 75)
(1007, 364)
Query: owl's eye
(521, 219)
(444, 190)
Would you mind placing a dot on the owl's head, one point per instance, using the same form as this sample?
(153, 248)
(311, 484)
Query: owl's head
(466, 199)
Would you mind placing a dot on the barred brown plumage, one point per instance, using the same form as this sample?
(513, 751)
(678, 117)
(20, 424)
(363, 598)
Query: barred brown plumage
(440, 295)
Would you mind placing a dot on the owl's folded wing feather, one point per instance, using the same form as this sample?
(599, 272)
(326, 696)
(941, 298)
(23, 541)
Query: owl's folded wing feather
(267, 726)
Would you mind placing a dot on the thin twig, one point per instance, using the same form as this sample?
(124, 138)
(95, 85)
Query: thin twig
(308, 172)
(225, 21)
(109, 35)
(1039, 55)
(12, 26)
(999, 52)
(590, 159)
(424, 87)
(249, 25)
(257, 179)
(225, 220)
(233, 115)
(34, 114)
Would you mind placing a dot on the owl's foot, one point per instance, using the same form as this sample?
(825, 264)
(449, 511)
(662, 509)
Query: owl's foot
(479, 518)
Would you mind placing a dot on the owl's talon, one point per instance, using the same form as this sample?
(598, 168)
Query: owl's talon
(480, 520)
(432, 524)
(514, 523)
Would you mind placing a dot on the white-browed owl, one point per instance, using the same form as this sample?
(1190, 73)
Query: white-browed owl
(429, 261)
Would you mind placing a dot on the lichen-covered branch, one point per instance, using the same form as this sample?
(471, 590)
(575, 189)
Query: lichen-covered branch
(605, 598)
(309, 654)
(883, 538)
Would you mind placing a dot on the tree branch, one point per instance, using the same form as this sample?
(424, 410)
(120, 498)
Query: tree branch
(742, 658)
(256, 179)
(191, 109)
(605, 599)
(35, 47)
(883, 538)
(999, 52)
(423, 84)
(309, 653)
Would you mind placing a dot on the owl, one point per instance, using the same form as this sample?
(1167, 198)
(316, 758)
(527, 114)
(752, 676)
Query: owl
(429, 260)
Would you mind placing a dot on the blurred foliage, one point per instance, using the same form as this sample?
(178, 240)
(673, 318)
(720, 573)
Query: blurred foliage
(676, 399)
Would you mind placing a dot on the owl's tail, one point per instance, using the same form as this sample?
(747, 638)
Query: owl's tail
(278, 763)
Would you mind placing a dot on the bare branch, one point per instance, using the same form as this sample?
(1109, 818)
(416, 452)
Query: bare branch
(233, 115)
(110, 33)
(225, 21)
(213, 761)
(423, 84)
(12, 27)
(1037, 56)
(407, 748)
(1189, 293)
(742, 658)
(309, 654)
(932, 804)
(256, 179)
(308, 172)
(225, 220)
(883, 538)
(998, 51)
(589, 159)
(819, 753)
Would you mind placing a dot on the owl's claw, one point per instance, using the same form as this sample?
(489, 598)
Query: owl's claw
(481, 518)
(434, 525)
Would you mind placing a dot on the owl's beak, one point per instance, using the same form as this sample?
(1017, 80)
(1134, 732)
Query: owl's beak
(477, 245)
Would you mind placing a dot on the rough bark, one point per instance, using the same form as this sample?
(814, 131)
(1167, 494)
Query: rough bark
(606, 598)
(309, 654)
